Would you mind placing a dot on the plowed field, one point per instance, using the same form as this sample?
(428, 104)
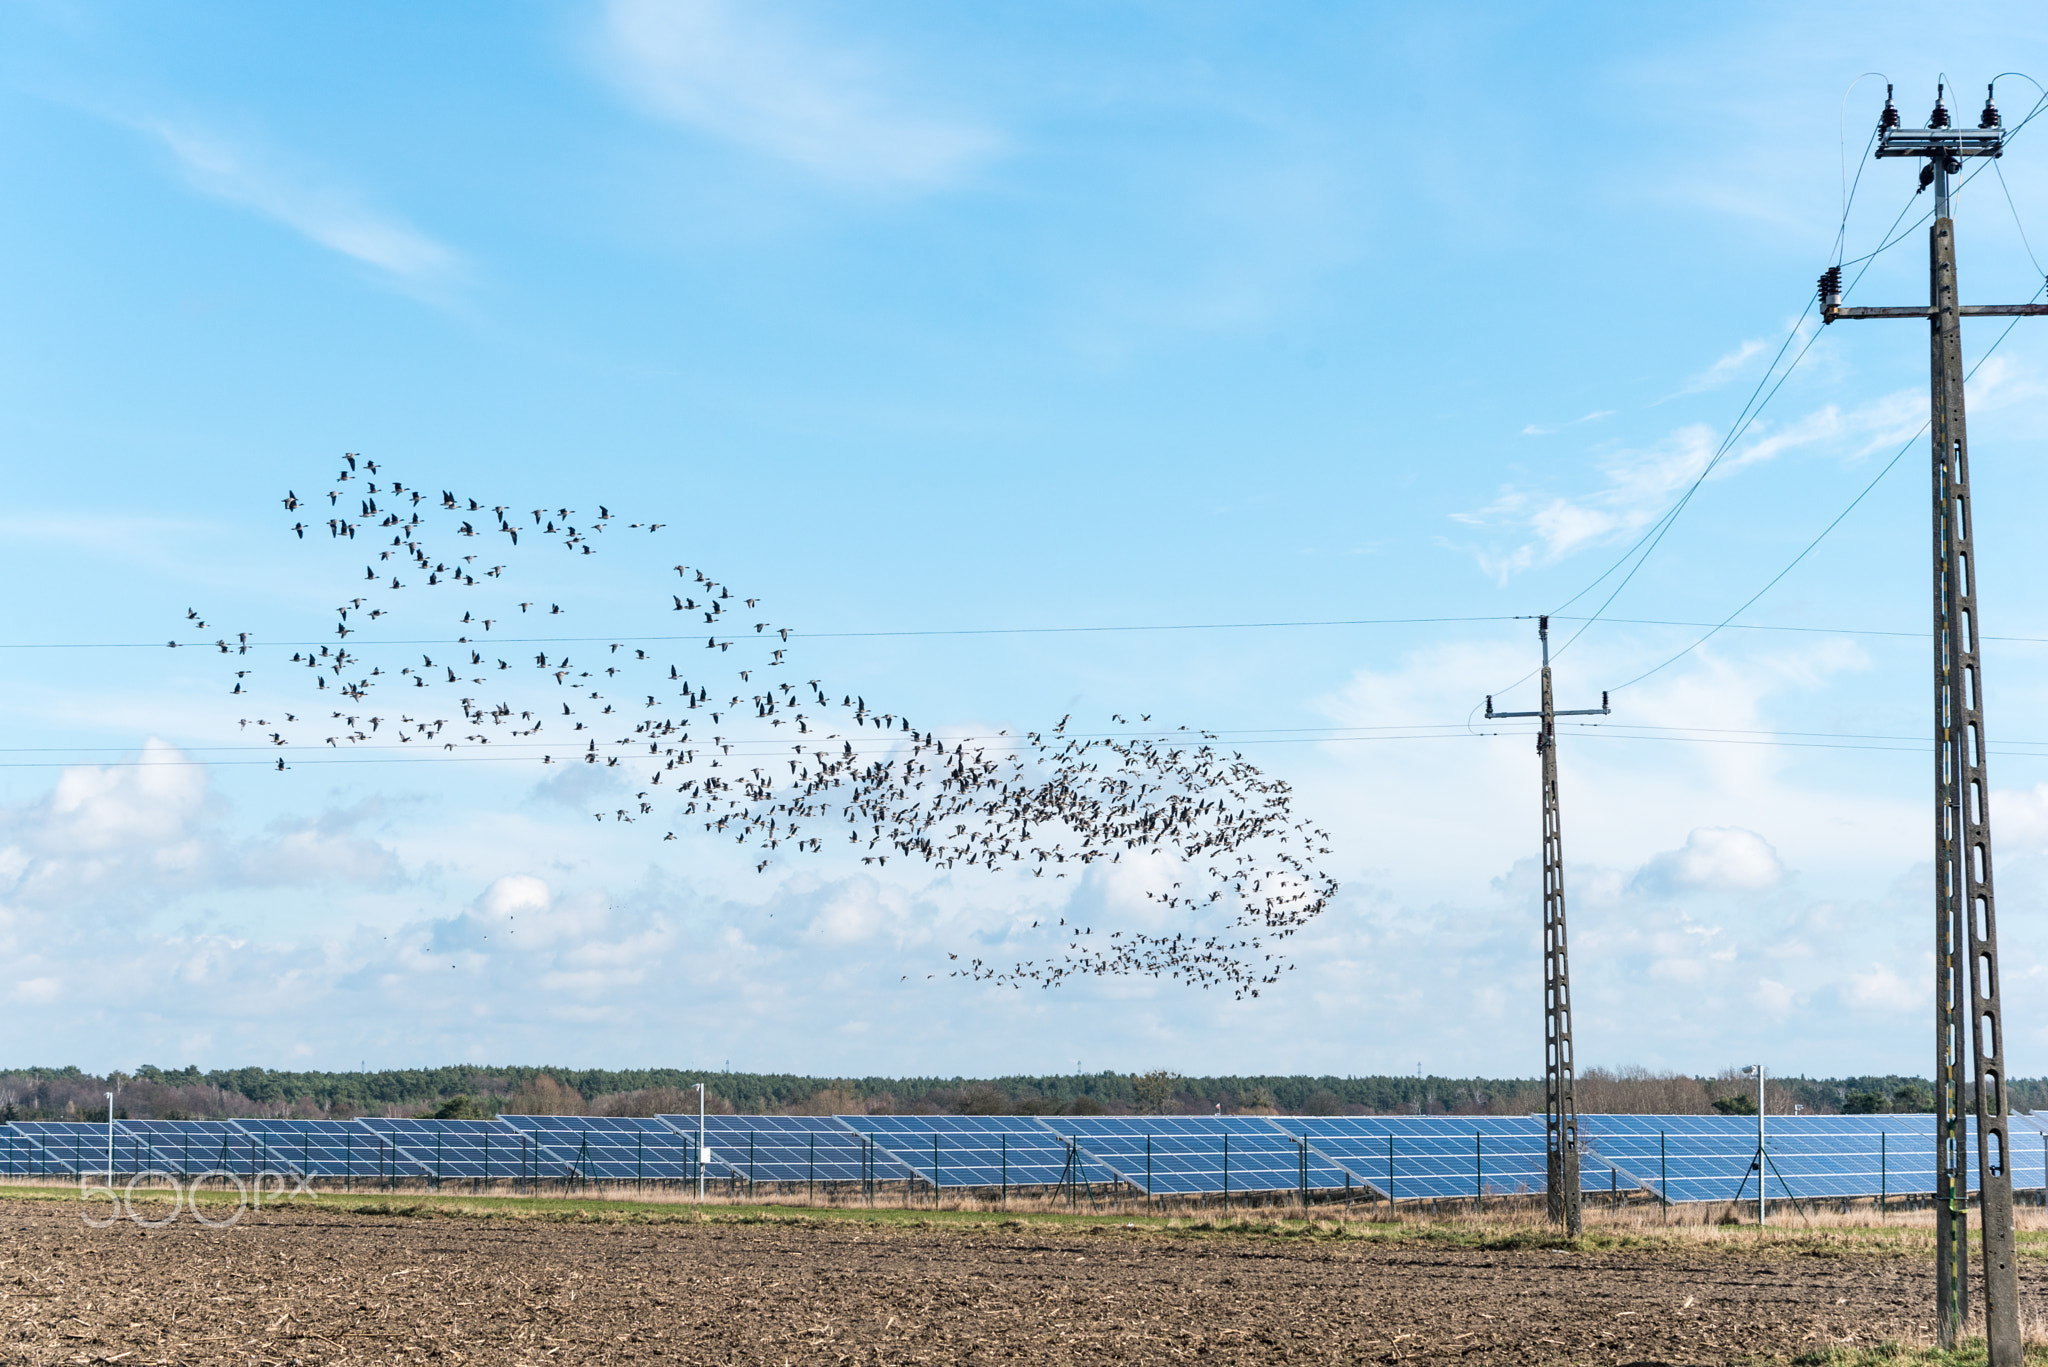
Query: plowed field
(323, 1285)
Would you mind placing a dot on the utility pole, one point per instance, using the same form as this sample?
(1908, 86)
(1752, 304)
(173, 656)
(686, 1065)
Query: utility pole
(1965, 927)
(1561, 1108)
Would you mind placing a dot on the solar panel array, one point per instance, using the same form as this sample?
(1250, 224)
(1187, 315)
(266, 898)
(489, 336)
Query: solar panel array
(1676, 1157)
(1193, 1155)
(328, 1148)
(603, 1148)
(979, 1150)
(1415, 1157)
(792, 1148)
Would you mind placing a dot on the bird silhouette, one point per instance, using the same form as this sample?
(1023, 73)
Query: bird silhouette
(1218, 839)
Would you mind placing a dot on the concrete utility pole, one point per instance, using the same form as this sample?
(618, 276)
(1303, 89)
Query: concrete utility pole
(1561, 1109)
(1965, 926)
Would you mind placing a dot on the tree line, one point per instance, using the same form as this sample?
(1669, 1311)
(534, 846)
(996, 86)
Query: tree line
(468, 1091)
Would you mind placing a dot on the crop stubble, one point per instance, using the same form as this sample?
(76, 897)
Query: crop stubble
(324, 1286)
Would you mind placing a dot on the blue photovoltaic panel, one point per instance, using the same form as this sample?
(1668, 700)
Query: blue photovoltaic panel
(188, 1147)
(464, 1149)
(975, 1150)
(1196, 1155)
(325, 1148)
(21, 1154)
(789, 1148)
(1710, 1158)
(75, 1146)
(603, 1148)
(1415, 1157)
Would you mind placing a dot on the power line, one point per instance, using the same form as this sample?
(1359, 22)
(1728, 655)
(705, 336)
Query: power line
(1808, 549)
(433, 752)
(797, 634)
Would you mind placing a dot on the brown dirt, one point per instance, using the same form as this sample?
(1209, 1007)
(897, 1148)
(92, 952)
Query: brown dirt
(321, 1286)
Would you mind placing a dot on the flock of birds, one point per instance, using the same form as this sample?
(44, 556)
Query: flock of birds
(809, 775)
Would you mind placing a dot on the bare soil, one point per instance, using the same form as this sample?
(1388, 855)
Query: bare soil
(323, 1285)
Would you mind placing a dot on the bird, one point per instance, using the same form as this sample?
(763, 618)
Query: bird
(1057, 799)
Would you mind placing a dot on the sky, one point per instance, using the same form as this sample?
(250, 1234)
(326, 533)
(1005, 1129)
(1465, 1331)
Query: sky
(1028, 362)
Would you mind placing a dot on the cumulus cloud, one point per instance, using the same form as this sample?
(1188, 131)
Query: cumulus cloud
(124, 837)
(1719, 858)
(739, 74)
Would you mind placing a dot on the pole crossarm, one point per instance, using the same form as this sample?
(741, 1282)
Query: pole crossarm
(1837, 313)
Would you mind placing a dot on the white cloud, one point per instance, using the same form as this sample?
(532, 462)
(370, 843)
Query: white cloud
(736, 73)
(125, 837)
(1882, 989)
(1773, 998)
(1726, 368)
(322, 210)
(1642, 483)
(1719, 858)
(1533, 430)
(37, 991)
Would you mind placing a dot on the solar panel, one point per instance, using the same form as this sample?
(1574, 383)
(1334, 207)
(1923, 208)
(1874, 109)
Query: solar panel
(325, 1148)
(1712, 1158)
(603, 1148)
(76, 1146)
(1446, 1156)
(21, 1153)
(485, 1150)
(791, 1148)
(187, 1147)
(975, 1150)
(1197, 1155)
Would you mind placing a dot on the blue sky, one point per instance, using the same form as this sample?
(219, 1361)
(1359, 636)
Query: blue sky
(950, 319)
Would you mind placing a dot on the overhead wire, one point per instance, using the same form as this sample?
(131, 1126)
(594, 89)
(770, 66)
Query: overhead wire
(1227, 738)
(1744, 422)
(1890, 464)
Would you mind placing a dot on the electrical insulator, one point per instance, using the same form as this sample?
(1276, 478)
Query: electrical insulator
(1890, 117)
(1831, 288)
(1989, 118)
(1939, 118)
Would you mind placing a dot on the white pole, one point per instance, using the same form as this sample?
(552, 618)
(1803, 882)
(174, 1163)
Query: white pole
(110, 1139)
(700, 1142)
(1761, 1151)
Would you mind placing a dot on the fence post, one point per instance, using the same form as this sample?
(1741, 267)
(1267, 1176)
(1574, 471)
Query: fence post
(1479, 1167)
